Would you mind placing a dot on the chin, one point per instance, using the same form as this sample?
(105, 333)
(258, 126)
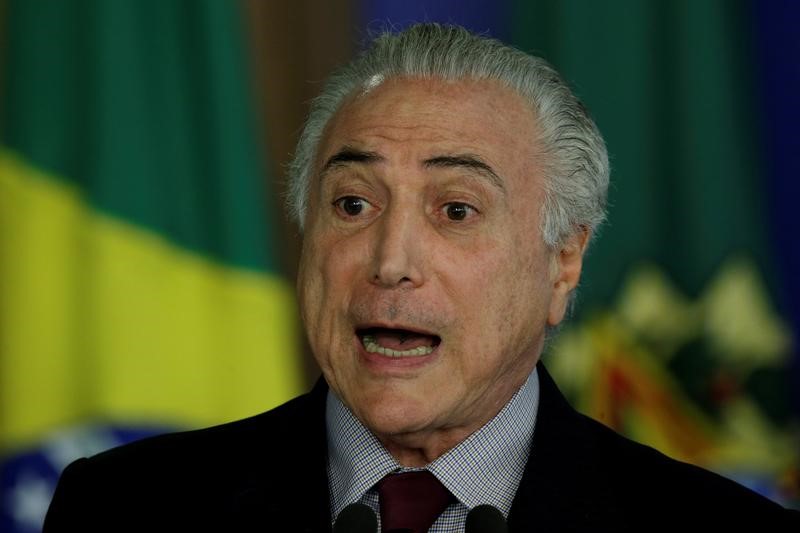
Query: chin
(387, 416)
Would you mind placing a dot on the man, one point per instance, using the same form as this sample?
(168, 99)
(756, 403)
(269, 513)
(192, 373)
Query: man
(448, 187)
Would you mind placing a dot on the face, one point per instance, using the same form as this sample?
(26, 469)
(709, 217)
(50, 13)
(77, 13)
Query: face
(425, 286)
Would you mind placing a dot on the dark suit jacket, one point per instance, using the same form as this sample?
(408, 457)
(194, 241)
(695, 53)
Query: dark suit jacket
(268, 473)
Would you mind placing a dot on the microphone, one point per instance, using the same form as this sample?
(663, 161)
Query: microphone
(485, 519)
(356, 518)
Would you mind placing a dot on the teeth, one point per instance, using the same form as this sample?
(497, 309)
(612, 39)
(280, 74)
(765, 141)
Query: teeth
(373, 347)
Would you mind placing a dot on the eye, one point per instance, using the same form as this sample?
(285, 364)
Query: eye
(352, 206)
(458, 211)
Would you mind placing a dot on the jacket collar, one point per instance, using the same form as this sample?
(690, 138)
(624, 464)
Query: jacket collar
(288, 489)
(550, 496)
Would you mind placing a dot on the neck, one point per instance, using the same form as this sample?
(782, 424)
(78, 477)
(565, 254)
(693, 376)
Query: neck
(417, 450)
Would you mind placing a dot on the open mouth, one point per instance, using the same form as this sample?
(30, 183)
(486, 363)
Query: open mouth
(397, 342)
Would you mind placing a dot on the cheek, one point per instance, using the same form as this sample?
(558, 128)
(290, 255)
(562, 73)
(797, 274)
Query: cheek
(327, 278)
(312, 288)
(482, 286)
(515, 291)
(318, 310)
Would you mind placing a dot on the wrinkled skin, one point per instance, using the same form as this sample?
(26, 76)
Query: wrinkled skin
(424, 215)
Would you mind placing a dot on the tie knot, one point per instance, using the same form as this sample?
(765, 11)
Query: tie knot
(411, 501)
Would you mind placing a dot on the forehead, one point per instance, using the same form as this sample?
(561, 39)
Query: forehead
(419, 118)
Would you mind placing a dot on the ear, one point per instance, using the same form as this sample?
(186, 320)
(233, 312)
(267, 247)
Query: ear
(567, 264)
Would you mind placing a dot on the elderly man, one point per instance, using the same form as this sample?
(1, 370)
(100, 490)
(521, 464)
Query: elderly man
(448, 186)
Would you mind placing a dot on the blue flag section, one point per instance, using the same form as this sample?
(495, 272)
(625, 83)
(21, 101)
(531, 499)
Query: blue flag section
(778, 70)
(479, 16)
(28, 478)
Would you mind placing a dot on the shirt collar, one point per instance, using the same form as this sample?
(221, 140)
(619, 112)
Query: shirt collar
(486, 468)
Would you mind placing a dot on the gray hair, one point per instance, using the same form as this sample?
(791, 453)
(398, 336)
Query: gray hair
(576, 161)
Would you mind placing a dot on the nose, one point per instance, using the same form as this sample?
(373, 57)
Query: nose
(398, 250)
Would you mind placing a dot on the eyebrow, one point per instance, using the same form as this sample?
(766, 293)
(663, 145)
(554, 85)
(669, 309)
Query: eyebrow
(470, 162)
(349, 154)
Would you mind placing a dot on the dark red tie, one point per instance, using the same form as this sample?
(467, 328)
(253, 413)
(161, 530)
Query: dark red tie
(411, 502)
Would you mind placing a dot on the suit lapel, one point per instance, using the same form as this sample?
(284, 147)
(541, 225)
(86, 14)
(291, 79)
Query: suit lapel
(551, 495)
(312, 481)
(292, 493)
(289, 490)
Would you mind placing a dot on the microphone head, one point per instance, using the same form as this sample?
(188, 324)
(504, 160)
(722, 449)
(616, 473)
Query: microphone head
(485, 519)
(356, 518)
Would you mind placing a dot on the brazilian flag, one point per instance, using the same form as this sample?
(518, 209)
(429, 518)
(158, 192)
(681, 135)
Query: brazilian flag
(139, 288)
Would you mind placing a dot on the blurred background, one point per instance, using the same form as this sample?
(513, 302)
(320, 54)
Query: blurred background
(147, 265)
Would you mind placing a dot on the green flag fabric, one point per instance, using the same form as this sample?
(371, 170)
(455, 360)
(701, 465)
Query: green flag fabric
(678, 342)
(138, 279)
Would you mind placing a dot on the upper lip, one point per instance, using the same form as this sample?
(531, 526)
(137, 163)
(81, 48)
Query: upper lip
(404, 327)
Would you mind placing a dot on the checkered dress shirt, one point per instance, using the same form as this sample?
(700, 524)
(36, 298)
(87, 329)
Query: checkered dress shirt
(486, 468)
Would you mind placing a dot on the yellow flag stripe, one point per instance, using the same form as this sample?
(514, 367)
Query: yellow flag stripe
(100, 319)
